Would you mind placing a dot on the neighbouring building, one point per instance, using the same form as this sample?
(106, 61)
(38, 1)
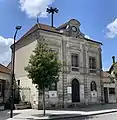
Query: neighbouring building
(9, 66)
(109, 88)
(110, 83)
(80, 82)
(5, 83)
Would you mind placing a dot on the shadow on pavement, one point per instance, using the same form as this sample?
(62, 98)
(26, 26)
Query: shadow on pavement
(66, 117)
(85, 118)
(77, 118)
(4, 115)
(89, 108)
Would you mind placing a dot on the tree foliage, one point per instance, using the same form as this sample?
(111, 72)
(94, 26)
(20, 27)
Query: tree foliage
(115, 70)
(43, 67)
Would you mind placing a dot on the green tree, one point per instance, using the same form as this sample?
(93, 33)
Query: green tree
(115, 70)
(43, 67)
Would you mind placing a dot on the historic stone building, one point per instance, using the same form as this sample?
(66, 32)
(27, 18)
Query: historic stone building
(80, 81)
(109, 88)
(110, 84)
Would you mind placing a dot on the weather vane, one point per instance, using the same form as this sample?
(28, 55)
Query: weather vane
(38, 17)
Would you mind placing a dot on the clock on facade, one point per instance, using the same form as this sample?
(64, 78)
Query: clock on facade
(74, 29)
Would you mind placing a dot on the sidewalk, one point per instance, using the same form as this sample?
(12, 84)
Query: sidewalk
(32, 114)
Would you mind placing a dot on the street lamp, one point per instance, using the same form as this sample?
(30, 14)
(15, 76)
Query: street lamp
(13, 74)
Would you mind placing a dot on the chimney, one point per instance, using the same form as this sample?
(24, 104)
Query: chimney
(113, 58)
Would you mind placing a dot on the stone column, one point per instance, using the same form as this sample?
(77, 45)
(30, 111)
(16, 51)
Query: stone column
(64, 71)
(85, 75)
(101, 76)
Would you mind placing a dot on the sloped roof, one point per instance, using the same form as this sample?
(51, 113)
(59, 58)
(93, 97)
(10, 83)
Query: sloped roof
(49, 29)
(105, 74)
(93, 41)
(62, 26)
(9, 64)
(41, 27)
(65, 25)
(4, 69)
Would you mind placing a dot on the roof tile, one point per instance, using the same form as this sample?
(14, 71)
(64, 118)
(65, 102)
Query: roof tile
(4, 69)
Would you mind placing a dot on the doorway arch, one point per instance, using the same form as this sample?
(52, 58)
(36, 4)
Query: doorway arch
(75, 91)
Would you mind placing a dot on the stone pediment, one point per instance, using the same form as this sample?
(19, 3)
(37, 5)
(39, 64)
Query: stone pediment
(71, 28)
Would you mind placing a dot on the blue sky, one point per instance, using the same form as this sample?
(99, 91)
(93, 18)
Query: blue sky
(97, 18)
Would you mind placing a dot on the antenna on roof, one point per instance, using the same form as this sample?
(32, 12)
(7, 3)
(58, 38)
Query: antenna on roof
(38, 23)
(39, 27)
(37, 19)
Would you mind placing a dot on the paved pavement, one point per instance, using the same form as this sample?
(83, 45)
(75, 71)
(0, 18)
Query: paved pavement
(4, 115)
(53, 114)
(31, 114)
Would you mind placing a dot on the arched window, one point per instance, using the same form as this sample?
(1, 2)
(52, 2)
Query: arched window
(93, 86)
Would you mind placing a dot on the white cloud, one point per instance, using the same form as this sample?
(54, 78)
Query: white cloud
(5, 52)
(106, 68)
(112, 29)
(35, 7)
(88, 37)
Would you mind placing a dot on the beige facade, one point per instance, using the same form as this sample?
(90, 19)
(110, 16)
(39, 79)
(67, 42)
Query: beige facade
(66, 40)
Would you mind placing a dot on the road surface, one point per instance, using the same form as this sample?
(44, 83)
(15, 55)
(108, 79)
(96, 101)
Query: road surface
(109, 116)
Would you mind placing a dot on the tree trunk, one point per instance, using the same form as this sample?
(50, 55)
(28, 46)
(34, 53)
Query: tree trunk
(44, 101)
(38, 99)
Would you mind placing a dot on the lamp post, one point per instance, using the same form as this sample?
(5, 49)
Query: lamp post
(18, 91)
(13, 74)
